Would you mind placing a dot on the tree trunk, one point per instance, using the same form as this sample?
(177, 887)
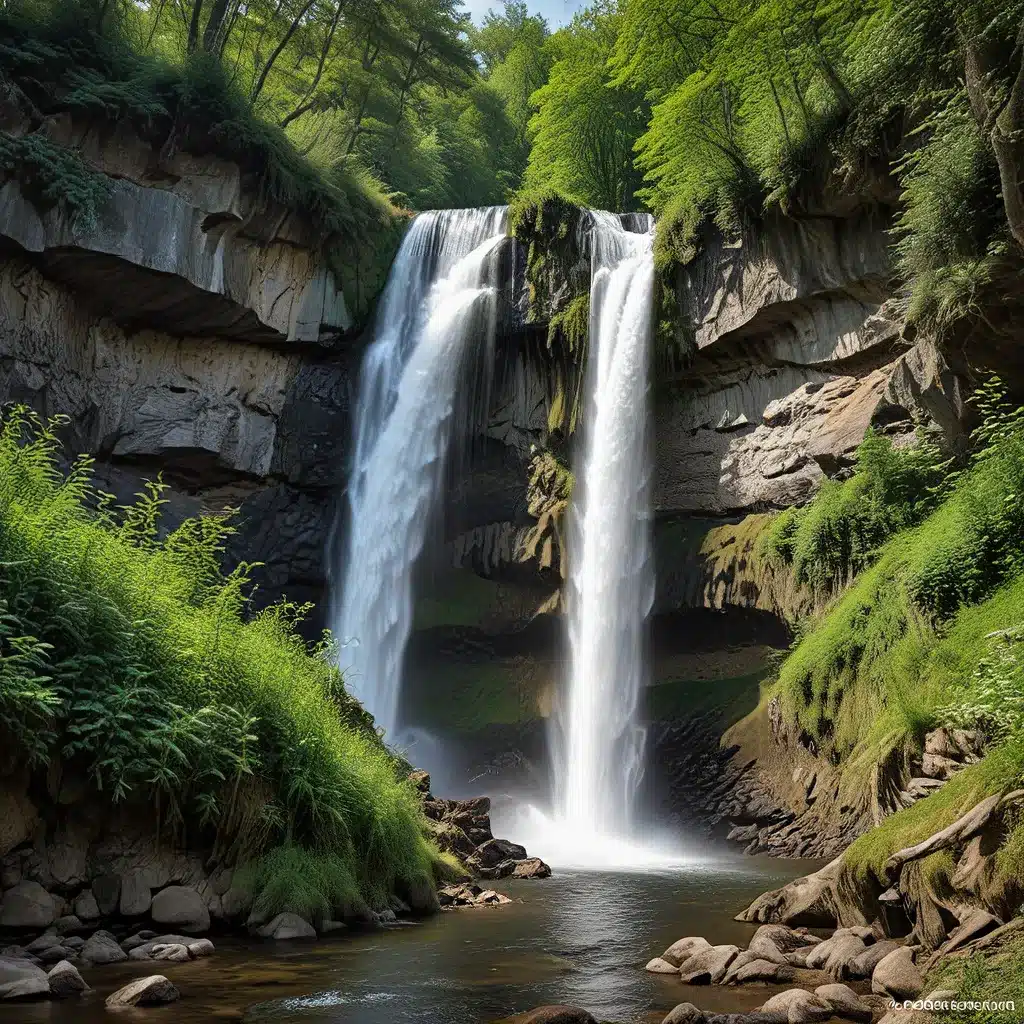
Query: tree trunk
(1004, 126)
(193, 25)
(214, 26)
(278, 50)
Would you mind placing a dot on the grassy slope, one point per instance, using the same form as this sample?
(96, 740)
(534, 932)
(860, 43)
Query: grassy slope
(130, 658)
(897, 651)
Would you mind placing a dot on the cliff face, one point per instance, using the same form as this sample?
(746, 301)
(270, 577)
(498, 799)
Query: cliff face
(192, 330)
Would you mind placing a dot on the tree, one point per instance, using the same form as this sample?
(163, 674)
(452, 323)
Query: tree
(585, 127)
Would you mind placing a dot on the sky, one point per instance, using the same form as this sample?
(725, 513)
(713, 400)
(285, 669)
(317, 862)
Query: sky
(557, 12)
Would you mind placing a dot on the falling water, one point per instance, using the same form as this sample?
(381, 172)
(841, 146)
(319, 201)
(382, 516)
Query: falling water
(437, 300)
(611, 581)
(599, 744)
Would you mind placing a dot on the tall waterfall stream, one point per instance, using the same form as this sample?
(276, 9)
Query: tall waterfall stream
(438, 300)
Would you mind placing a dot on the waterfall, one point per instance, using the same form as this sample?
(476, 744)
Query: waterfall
(598, 742)
(438, 299)
(611, 585)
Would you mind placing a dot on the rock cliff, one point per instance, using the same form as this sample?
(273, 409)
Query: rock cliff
(192, 329)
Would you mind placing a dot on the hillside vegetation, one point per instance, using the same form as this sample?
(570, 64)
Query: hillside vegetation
(127, 656)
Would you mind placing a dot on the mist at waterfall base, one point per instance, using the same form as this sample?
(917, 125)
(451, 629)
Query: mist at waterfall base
(597, 742)
(439, 298)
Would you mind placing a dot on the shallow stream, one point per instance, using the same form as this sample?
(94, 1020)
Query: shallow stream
(579, 938)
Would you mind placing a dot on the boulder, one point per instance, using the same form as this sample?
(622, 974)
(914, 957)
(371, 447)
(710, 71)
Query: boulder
(69, 924)
(54, 955)
(65, 981)
(660, 966)
(846, 949)
(138, 939)
(809, 901)
(176, 952)
(799, 1006)
(935, 766)
(27, 905)
(708, 966)
(421, 895)
(532, 867)
(844, 1002)
(973, 925)
(683, 948)
(781, 938)
(555, 1015)
(107, 891)
(181, 907)
(152, 991)
(45, 941)
(136, 896)
(287, 926)
(684, 1013)
(102, 948)
(201, 948)
(864, 965)
(898, 976)
(763, 971)
(144, 950)
(86, 907)
(22, 979)
(421, 780)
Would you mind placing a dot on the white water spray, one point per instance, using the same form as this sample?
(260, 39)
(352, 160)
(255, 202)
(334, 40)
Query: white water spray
(437, 300)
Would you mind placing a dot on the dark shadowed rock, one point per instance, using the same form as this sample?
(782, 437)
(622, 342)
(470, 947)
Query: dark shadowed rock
(21, 979)
(102, 948)
(27, 905)
(152, 991)
(65, 981)
(107, 891)
(85, 907)
(181, 907)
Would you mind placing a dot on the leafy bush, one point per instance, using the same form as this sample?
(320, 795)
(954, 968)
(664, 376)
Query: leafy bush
(994, 694)
(130, 657)
(840, 532)
(51, 175)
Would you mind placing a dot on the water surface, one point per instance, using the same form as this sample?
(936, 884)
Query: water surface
(578, 938)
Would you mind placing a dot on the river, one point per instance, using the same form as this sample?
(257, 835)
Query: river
(578, 938)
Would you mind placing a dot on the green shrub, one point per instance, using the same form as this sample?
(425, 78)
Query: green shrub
(129, 655)
(840, 532)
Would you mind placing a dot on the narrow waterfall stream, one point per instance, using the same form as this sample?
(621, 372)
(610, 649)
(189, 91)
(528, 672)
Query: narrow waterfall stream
(439, 297)
(598, 754)
(611, 584)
